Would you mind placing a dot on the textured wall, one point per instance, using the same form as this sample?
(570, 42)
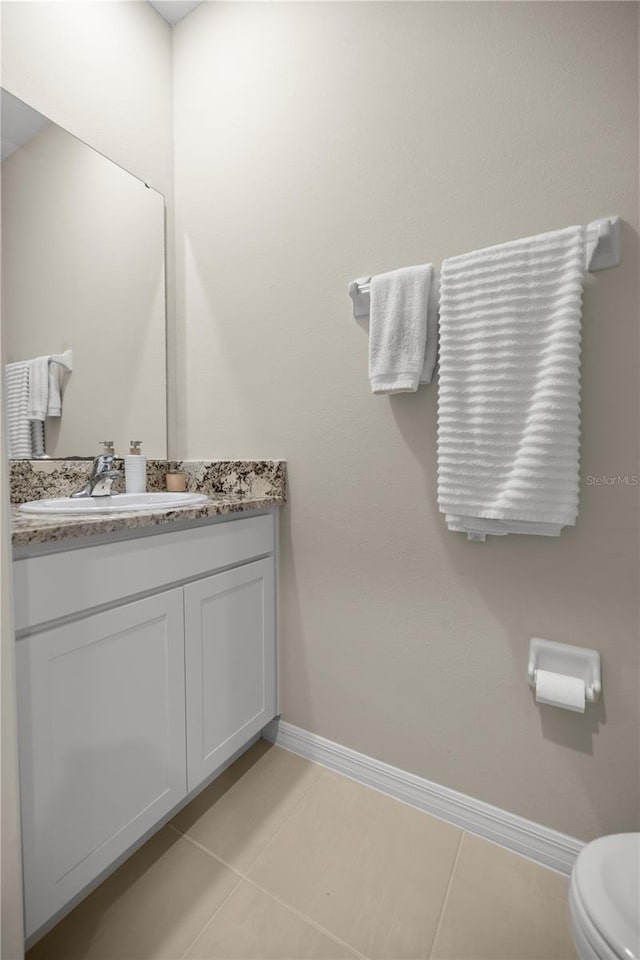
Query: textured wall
(316, 142)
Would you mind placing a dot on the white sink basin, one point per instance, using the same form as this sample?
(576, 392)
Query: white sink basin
(79, 506)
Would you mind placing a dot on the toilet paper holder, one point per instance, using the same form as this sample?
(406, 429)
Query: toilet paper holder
(568, 660)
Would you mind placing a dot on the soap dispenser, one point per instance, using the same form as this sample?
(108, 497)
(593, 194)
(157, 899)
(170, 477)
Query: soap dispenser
(135, 469)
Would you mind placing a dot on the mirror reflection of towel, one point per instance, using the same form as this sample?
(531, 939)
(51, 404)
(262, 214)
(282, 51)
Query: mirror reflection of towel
(37, 438)
(44, 389)
(54, 402)
(17, 399)
(45, 399)
(33, 394)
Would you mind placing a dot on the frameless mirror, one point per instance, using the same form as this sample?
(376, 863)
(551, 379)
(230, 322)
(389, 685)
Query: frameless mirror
(83, 295)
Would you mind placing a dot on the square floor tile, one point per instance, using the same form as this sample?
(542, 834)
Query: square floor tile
(151, 908)
(237, 815)
(253, 926)
(503, 907)
(369, 869)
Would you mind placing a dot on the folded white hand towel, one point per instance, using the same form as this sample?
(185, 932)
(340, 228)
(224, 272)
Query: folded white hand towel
(398, 328)
(45, 397)
(509, 394)
(38, 388)
(54, 399)
(37, 438)
(431, 346)
(359, 291)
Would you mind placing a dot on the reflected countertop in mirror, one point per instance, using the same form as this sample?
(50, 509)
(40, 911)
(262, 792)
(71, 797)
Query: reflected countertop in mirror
(83, 270)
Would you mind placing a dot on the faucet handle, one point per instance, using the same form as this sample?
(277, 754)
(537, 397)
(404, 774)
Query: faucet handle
(101, 477)
(108, 448)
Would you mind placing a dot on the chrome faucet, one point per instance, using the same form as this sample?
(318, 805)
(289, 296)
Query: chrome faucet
(102, 476)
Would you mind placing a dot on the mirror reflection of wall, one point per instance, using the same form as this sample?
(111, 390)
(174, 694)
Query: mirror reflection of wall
(82, 270)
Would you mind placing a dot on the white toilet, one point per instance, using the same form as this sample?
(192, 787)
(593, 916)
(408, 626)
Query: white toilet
(604, 899)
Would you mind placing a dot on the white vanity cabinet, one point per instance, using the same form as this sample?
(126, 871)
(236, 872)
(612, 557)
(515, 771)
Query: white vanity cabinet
(230, 664)
(142, 665)
(102, 754)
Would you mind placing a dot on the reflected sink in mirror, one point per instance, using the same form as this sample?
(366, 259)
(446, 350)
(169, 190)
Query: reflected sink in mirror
(137, 502)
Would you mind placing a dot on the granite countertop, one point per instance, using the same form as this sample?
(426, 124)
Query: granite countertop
(232, 486)
(29, 528)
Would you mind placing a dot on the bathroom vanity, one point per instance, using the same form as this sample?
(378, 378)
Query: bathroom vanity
(145, 661)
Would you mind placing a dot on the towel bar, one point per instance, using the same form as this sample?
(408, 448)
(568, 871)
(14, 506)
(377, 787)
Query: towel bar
(602, 248)
(65, 360)
(603, 244)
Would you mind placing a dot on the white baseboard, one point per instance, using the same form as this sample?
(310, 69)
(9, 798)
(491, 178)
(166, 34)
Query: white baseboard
(541, 844)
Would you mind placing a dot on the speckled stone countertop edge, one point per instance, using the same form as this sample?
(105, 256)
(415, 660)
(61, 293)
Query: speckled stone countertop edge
(41, 479)
(31, 529)
(233, 486)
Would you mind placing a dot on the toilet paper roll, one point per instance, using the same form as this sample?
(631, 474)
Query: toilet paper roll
(558, 690)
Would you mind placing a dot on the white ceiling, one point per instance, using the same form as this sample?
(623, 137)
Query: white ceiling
(174, 10)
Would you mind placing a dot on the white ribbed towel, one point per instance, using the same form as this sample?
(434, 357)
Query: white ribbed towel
(509, 394)
(17, 401)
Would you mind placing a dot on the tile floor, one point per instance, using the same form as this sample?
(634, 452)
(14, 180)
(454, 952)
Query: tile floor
(280, 858)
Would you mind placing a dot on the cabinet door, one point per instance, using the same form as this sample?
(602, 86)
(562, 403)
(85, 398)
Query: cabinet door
(101, 731)
(231, 663)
